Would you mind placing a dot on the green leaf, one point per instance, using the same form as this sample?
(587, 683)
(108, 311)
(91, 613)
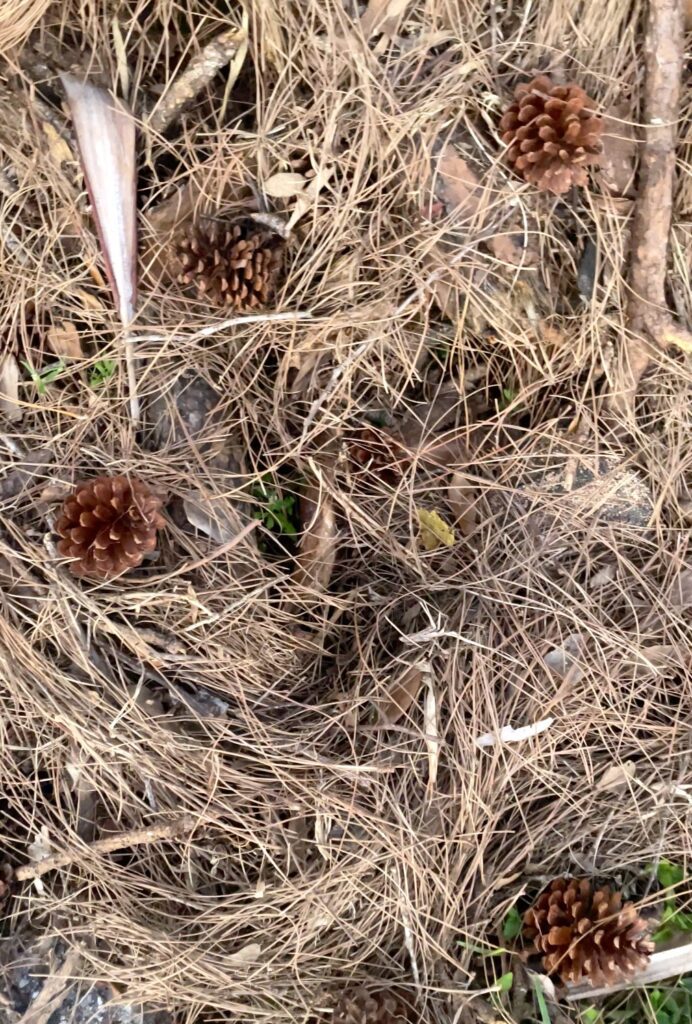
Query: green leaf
(101, 371)
(482, 950)
(591, 1015)
(511, 926)
(505, 982)
(45, 376)
(669, 874)
(541, 1000)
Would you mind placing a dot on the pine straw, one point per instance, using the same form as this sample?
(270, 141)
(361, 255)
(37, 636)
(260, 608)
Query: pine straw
(232, 693)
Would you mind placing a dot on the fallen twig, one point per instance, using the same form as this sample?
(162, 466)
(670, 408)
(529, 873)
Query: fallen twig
(199, 72)
(648, 317)
(121, 841)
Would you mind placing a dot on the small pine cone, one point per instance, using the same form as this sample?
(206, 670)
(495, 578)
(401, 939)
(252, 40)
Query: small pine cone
(586, 934)
(378, 453)
(552, 134)
(236, 265)
(359, 1006)
(108, 525)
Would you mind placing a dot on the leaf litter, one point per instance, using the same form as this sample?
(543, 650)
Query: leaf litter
(430, 296)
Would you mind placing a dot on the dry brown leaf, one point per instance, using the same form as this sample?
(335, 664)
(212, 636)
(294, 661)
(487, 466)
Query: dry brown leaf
(616, 168)
(382, 16)
(57, 148)
(284, 184)
(9, 387)
(307, 197)
(458, 186)
(318, 543)
(65, 341)
(617, 776)
(461, 496)
(403, 691)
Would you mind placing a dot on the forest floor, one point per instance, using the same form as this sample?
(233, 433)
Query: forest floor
(414, 640)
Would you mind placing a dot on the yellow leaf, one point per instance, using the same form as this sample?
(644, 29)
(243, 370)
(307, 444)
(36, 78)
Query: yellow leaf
(434, 531)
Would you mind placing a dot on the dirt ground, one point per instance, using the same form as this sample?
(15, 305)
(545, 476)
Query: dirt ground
(414, 639)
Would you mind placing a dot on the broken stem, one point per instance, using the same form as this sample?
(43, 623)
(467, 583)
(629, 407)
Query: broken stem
(121, 841)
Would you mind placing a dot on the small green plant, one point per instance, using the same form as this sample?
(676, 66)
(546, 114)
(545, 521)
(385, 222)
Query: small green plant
(276, 512)
(673, 920)
(507, 396)
(670, 1005)
(511, 926)
(101, 372)
(47, 375)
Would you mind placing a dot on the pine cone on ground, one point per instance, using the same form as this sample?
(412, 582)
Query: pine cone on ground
(108, 525)
(359, 1006)
(234, 265)
(586, 934)
(379, 453)
(552, 134)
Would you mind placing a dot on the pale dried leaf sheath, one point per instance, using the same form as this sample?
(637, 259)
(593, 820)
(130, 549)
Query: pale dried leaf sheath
(199, 72)
(105, 132)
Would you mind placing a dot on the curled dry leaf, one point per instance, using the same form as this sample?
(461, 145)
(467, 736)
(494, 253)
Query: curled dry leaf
(318, 543)
(65, 341)
(434, 531)
(461, 496)
(9, 387)
(308, 196)
(284, 185)
(403, 691)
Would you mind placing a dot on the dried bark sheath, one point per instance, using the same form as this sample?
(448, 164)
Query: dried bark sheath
(647, 312)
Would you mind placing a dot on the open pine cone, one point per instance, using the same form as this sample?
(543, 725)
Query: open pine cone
(108, 525)
(586, 934)
(235, 265)
(552, 134)
(359, 1006)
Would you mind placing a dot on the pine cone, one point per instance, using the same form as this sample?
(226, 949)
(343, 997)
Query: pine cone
(586, 934)
(379, 453)
(234, 265)
(108, 525)
(359, 1006)
(552, 134)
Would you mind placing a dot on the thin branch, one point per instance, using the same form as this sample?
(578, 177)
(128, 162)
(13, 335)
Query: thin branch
(121, 841)
(201, 69)
(648, 317)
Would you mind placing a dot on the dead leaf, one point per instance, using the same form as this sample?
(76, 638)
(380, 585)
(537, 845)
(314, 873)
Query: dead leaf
(617, 776)
(434, 531)
(565, 661)
(306, 199)
(284, 185)
(617, 161)
(247, 954)
(382, 16)
(41, 848)
(458, 186)
(680, 593)
(318, 543)
(9, 387)
(431, 732)
(57, 147)
(461, 496)
(65, 341)
(209, 519)
(402, 693)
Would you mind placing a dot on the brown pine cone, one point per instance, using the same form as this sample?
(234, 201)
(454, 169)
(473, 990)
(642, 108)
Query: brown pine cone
(586, 934)
(234, 265)
(359, 1006)
(552, 134)
(379, 453)
(108, 525)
